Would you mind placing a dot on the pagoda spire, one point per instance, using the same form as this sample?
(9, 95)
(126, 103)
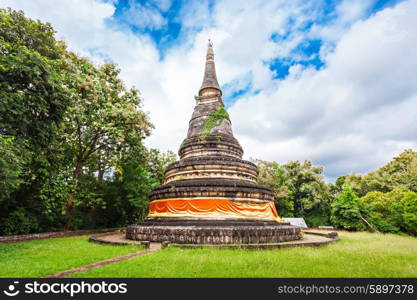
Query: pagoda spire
(211, 195)
(210, 77)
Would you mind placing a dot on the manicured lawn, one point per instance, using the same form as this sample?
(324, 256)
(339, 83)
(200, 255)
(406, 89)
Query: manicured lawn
(355, 255)
(43, 257)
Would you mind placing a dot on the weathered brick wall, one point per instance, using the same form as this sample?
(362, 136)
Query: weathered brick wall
(47, 235)
(213, 234)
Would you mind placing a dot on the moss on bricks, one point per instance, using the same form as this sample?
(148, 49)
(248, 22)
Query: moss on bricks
(214, 119)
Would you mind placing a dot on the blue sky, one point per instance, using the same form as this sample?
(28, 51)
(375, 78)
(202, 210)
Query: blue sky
(164, 36)
(167, 31)
(328, 81)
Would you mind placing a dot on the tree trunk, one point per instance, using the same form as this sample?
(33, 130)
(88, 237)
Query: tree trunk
(68, 212)
(100, 176)
(70, 204)
(369, 225)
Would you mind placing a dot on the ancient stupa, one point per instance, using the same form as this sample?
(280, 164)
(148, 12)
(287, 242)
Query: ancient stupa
(210, 195)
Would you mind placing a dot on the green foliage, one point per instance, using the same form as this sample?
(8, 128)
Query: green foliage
(34, 97)
(215, 118)
(400, 172)
(19, 222)
(393, 212)
(103, 123)
(127, 195)
(12, 160)
(409, 203)
(274, 176)
(300, 190)
(318, 217)
(383, 211)
(184, 142)
(384, 193)
(66, 127)
(32, 87)
(158, 161)
(346, 210)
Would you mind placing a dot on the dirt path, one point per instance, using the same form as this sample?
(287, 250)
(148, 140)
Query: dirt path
(153, 247)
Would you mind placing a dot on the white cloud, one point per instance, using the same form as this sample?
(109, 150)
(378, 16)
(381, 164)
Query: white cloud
(145, 15)
(352, 115)
(163, 5)
(352, 10)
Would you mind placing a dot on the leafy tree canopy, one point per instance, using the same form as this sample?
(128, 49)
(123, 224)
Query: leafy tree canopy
(400, 172)
(347, 210)
(299, 189)
(66, 127)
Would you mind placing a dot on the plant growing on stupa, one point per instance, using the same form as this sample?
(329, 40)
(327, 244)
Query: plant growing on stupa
(215, 118)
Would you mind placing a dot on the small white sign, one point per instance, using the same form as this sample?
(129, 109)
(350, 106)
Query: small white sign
(299, 222)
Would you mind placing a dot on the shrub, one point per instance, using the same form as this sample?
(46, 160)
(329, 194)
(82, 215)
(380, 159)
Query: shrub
(409, 216)
(346, 210)
(18, 222)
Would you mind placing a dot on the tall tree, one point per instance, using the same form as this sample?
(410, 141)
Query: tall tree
(157, 161)
(299, 188)
(394, 211)
(33, 92)
(400, 172)
(103, 122)
(33, 99)
(409, 204)
(65, 126)
(12, 161)
(347, 210)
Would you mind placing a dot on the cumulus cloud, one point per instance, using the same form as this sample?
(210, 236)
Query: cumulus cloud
(353, 114)
(146, 15)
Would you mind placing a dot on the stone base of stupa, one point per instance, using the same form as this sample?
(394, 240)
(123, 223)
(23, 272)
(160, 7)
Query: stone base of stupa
(212, 211)
(212, 231)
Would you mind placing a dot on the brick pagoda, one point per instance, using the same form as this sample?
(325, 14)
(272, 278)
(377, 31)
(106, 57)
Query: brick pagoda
(210, 195)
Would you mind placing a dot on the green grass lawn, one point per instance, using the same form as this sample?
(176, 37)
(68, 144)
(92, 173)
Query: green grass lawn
(355, 255)
(44, 257)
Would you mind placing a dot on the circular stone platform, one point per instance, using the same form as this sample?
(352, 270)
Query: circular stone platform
(308, 239)
(212, 231)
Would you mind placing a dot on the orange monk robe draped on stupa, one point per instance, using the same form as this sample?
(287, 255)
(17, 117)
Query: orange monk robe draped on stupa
(213, 208)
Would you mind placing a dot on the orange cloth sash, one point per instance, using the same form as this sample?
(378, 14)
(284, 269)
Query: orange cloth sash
(212, 208)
